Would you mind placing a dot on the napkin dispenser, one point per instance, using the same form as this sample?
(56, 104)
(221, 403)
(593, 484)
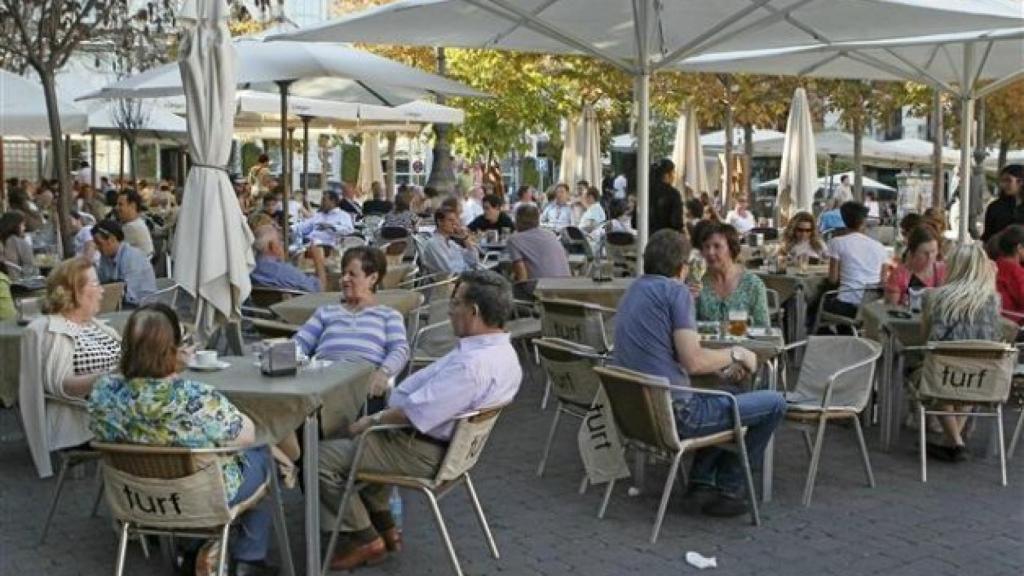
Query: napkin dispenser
(279, 358)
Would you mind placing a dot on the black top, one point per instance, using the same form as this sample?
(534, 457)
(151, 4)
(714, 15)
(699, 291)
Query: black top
(480, 223)
(666, 208)
(377, 207)
(351, 207)
(1000, 213)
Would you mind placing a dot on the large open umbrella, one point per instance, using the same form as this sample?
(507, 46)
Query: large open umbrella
(212, 244)
(799, 175)
(957, 63)
(641, 37)
(23, 109)
(688, 155)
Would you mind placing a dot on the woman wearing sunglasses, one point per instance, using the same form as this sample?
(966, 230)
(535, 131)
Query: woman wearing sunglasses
(801, 238)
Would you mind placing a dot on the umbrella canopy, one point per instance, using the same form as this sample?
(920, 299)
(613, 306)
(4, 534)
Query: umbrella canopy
(823, 183)
(370, 168)
(716, 140)
(917, 151)
(23, 109)
(838, 143)
(799, 174)
(589, 148)
(213, 243)
(567, 167)
(314, 70)
(255, 109)
(688, 155)
(156, 122)
(641, 37)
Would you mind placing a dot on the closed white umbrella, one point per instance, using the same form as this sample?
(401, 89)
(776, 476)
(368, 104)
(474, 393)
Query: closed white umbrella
(370, 169)
(213, 243)
(23, 109)
(567, 169)
(688, 155)
(641, 37)
(798, 178)
(589, 148)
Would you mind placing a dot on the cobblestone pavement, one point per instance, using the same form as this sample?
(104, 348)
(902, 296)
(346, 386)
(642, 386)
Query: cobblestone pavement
(962, 522)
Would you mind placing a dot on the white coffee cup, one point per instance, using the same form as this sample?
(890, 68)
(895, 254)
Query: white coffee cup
(206, 358)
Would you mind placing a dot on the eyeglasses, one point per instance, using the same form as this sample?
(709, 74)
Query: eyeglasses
(805, 230)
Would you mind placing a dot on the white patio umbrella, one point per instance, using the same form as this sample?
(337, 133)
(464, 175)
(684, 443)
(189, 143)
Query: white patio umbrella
(23, 109)
(567, 168)
(799, 174)
(641, 37)
(589, 148)
(688, 155)
(716, 140)
(959, 63)
(370, 169)
(213, 243)
(823, 182)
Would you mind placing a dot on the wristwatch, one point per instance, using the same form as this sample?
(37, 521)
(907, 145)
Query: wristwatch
(732, 355)
(376, 417)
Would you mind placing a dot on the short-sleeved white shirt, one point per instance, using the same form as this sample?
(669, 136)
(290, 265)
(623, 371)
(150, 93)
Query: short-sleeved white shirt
(860, 264)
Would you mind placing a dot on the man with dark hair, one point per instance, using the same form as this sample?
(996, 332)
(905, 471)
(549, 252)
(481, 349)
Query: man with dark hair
(443, 253)
(121, 262)
(324, 227)
(129, 212)
(535, 252)
(379, 205)
(492, 218)
(481, 372)
(856, 261)
(656, 333)
(273, 269)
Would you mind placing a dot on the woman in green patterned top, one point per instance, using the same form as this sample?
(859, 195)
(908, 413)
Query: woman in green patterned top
(727, 284)
(149, 402)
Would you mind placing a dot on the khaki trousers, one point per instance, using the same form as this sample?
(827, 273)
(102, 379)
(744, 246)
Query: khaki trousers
(389, 452)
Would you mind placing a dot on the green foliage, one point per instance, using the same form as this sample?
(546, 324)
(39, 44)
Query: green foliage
(349, 163)
(528, 173)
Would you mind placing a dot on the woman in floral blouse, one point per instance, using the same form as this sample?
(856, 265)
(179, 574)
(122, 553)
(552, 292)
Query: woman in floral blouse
(149, 402)
(727, 284)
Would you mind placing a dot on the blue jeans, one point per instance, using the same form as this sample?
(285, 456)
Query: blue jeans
(253, 537)
(760, 411)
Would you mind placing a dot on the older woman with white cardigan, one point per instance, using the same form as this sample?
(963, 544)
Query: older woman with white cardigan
(62, 356)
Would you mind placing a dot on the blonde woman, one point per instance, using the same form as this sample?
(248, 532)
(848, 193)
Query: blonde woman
(801, 238)
(965, 308)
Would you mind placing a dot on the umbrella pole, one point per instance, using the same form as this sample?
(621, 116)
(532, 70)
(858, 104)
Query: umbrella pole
(966, 121)
(643, 161)
(305, 157)
(286, 181)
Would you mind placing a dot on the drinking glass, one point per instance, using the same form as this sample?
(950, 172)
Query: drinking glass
(697, 269)
(738, 323)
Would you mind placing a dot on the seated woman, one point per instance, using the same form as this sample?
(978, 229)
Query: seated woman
(1008, 252)
(801, 238)
(919, 268)
(728, 285)
(655, 333)
(15, 247)
(62, 356)
(966, 307)
(149, 402)
(402, 215)
(359, 327)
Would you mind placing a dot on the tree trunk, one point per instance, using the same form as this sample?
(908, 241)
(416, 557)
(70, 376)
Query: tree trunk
(748, 158)
(978, 187)
(1004, 150)
(727, 185)
(441, 176)
(938, 175)
(60, 168)
(858, 158)
(389, 178)
(133, 160)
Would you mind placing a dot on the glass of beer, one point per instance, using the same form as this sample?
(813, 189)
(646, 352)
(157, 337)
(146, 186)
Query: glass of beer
(802, 261)
(738, 323)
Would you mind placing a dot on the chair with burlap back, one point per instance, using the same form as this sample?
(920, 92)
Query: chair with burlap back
(642, 407)
(172, 491)
(621, 248)
(962, 374)
(569, 367)
(468, 440)
(835, 381)
(113, 297)
(583, 323)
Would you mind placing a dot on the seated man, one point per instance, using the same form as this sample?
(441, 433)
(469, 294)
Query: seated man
(655, 333)
(856, 261)
(273, 270)
(443, 254)
(379, 205)
(129, 212)
(831, 220)
(535, 252)
(324, 228)
(121, 262)
(481, 372)
(492, 218)
(558, 213)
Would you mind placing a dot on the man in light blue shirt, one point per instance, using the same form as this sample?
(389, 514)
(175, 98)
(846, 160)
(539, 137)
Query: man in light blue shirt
(831, 220)
(442, 254)
(324, 228)
(121, 262)
(558, 214)
(481, 372)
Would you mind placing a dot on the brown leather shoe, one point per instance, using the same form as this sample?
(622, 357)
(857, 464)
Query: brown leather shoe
(392, 539)
(359, 555)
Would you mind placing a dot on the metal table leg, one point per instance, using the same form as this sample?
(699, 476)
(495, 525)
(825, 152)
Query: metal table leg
(768, 465)
(885, 383)
(311, 485)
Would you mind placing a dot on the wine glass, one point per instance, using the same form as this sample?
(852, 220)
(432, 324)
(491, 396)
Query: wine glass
(697, 269)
